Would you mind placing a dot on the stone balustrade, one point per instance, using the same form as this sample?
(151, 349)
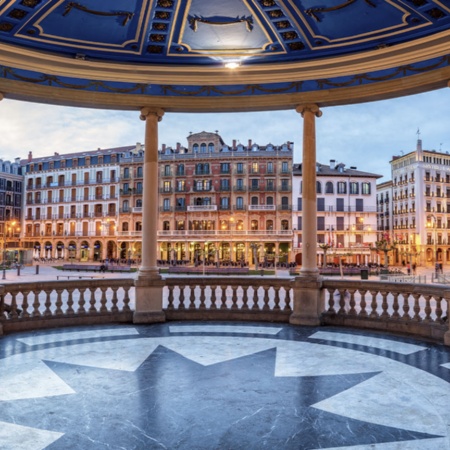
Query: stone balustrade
(415, 309)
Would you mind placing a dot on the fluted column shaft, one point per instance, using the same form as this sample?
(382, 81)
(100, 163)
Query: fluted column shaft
(148, 266)
(309, 196)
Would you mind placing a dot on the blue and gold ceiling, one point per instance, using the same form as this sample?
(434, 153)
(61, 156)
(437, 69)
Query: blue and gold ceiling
(204, 34)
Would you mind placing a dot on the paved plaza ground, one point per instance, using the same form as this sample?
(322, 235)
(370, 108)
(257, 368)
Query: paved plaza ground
(48, 271)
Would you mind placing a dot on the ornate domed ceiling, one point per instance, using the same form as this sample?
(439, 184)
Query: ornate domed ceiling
(177, 54)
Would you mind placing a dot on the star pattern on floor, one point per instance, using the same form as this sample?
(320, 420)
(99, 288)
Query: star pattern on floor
(170, 401)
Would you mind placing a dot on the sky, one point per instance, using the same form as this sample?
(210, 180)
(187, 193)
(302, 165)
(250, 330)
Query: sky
(366, 135)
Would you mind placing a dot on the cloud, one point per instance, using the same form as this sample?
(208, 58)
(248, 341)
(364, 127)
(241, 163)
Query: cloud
(363, 135)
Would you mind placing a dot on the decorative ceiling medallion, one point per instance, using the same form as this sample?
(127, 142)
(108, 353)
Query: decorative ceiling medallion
(207, 31)
(30, 3)
(18, 14)
(6, 26)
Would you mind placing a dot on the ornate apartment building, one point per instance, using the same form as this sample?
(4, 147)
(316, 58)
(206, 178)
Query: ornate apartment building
(231, 203)
(346, 213)
(71, 204)
(420, 203)
(11, 192)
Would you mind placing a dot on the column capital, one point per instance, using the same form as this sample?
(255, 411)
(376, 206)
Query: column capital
(312, 107)
(146, 111)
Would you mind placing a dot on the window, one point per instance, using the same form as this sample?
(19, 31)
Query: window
(239, 203)
(210, 147)
(167, 186)
(195, 148)
(269, 225)
(342, 187)
(166, 225)
(285, 203)
(359, 204)
(254, 225)
(254, 200)
(181, 184)
(321, 223)
(354, 188)
(139, 187)
(240, 184)
(255, 167)
(321, 204)
(139, 172)
(139, 203)
(285, 185)
(255, 184)
(166, 204)
(167, 170)
(203, 148)
(270, 185)
(339, 204)
(126, 172)
(299, 204)
(224, 168)
(126, 206)
(270, 167)
(240, 168)
(284, 167)
(225, 184)
(365, 188)
(285, 224)
(269, 201)
(225, 203)
(318, 187)
(180, 169)
(329, 188)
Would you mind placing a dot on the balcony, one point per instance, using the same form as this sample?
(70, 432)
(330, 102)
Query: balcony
(262, 207)
(199, 208)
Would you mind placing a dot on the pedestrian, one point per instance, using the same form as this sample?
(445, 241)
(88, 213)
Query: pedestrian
(414, 268)
(408, 269)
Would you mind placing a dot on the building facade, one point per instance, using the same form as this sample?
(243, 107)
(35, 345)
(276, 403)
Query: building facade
(346, 214)
(421, 206)
(71, 205)
(225, 202)
(11, 195)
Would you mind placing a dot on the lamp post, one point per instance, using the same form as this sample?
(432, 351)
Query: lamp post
(433, 225)
(7, 227)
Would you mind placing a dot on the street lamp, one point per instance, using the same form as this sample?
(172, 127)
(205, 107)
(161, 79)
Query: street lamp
(7, 228)
(433, 225)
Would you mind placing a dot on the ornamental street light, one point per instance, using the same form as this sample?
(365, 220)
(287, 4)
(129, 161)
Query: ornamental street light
(432, 225)
(9, 228)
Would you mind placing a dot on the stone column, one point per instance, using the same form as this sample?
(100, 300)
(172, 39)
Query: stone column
(308, 295)
(309, 202)
(149, 284)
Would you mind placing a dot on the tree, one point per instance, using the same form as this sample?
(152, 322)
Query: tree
(385, 245)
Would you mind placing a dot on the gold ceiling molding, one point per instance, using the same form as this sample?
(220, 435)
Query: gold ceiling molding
(364, 62)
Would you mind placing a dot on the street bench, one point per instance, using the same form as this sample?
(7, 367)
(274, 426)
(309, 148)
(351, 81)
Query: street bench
(210, 270)
(95, 268)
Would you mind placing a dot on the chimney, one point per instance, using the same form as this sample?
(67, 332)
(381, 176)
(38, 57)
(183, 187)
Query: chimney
(234, 144)
(138, 146)
(30, 156)
(178, 147)
(249, 143)
(163, 148)
(56, 154)
(332, 164)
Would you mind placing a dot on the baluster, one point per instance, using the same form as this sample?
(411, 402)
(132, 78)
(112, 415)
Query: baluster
(92, 300)
(213, 297)
(363, 304)
(266, 306)
(406, 308)
(276, 298)
(384, 305)
(13, 314)
(202, 305)
(416, 308)
(395, 306)
(170, 297)
(374, 305)
(331, 301)
(234, 305)
(439, 310)
(70, 301)
(182, 297)
(342, 294)
(126, 298)
(58, 304)
(287, 299)
(427, 318)
(191, 304)
(245, 298)
(103, 300)
(25, 314)
(223, 297)
(114, 300)
(255, 306)
(81, 301)
(352, 302)
(48, 304)
(36, 304)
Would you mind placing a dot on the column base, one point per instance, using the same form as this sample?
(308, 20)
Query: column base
(147, 275)
(309, 300)
(446, 338)
(149, 299)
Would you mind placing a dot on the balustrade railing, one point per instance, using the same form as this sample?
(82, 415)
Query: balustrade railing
(409, 308)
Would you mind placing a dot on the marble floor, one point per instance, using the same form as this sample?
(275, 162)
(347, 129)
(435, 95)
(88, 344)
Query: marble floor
(222, 386)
